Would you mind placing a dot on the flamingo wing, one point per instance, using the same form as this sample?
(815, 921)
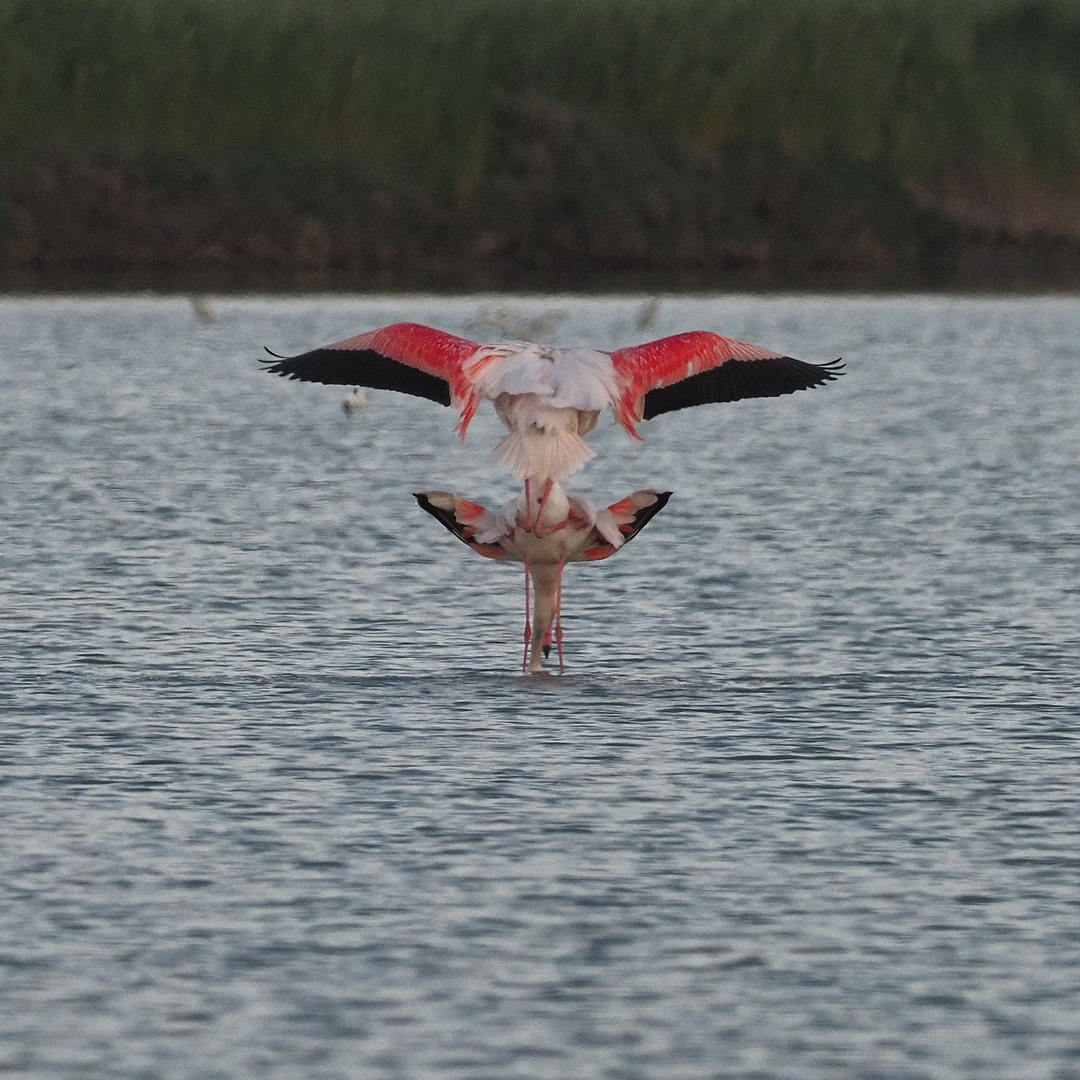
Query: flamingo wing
(628, 517)
(700, 367)
(406, 357)
(465, 520)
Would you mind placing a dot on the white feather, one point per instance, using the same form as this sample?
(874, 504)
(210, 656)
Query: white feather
(575, 378)
(550, 454)
(604, 521)
(607, 525)
(583, 379)
(493, 525)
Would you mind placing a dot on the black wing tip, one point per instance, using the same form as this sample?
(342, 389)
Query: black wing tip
(646, 514)
(444, 517)
(830, 369)
(816, 374)
(276, 364)
(359, 367)
(447, 519)
(430, 507)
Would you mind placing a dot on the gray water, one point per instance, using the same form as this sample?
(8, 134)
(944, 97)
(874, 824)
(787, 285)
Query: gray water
(276, 802)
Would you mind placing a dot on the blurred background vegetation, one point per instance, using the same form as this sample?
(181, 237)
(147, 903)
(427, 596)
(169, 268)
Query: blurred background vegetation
(539, 143)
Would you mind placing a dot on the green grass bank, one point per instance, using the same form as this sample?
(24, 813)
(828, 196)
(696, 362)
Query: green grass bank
(539, 143)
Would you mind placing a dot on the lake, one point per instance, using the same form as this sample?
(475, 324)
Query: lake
(276, 801)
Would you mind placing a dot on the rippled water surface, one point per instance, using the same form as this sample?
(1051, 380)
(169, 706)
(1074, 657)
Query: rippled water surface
(275, 802)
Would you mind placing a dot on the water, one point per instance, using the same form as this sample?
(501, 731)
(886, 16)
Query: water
(275, 803)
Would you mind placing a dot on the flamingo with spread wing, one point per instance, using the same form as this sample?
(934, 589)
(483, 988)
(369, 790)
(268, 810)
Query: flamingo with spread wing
(550, 397)
(573, 530)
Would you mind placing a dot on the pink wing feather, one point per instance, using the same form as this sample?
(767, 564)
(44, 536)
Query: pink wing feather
(657, 377)
(700, 367)
(406, 357)
(423, 347)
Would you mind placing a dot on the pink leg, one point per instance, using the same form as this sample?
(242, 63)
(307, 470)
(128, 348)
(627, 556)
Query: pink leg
(528, 511)
(541, 533)
(540, 510)
(528, 624)
(558, 621)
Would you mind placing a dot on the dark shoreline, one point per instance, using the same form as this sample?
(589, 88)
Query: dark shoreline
(1009, 270)
(538, 220)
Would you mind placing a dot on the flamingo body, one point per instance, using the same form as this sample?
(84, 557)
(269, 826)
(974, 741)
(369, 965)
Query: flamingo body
(545, 538)
(549, 397)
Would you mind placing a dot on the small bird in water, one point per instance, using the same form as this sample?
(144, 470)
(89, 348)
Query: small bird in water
(203, 309)
(647, 313)
(355, 402)
(510, 323)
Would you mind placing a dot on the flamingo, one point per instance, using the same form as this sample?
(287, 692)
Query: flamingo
(550, 397)
(573, 530)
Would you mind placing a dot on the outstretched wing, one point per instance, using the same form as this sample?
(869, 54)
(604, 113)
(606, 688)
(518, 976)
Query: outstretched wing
(406, 357)
(626, 517)
(464, 519)
(700, 367)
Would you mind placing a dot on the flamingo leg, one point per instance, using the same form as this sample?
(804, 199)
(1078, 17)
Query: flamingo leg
(528, 624)
(558, 621)
(536, 530)
(528, 512)
(541, 533)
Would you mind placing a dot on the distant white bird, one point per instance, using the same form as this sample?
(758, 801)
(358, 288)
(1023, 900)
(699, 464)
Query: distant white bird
(508, 323)
(549, 397)
(545, 538)
(647, 313)
(203, 309)
(355, 402)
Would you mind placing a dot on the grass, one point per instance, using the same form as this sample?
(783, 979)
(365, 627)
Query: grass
(926, 88)
(924, 95)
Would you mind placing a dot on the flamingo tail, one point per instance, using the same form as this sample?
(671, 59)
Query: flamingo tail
(550, 454)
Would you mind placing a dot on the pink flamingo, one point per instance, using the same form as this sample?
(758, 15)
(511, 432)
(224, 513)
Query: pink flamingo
(545, 538)
(550, 397)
